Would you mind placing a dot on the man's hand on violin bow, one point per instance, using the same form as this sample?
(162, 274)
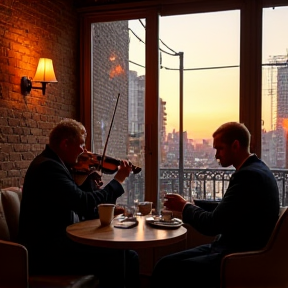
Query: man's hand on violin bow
(124, 171)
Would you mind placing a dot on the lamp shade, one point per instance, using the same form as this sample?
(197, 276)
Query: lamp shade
(45, 71)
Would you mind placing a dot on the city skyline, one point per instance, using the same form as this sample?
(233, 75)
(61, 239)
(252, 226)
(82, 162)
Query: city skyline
(211, 96)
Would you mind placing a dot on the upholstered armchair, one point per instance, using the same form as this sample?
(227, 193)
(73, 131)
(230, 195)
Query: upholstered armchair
(14, 272)
(263, 268)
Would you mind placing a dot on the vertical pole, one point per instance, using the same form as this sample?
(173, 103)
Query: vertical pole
(152, 140)
(124, 267)
(181, 162)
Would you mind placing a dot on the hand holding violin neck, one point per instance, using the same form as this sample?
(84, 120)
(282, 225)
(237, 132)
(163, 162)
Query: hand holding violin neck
(136, 169)
(111, 165)
(123, 171)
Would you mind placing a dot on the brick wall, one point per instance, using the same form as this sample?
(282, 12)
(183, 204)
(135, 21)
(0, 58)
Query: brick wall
(29, 30)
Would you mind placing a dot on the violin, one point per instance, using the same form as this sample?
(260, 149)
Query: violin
(89, 162)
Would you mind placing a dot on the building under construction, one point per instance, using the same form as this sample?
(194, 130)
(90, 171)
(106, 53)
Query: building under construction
(277, 152)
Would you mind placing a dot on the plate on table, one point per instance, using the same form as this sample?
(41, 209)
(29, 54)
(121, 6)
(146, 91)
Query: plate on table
(157, 222)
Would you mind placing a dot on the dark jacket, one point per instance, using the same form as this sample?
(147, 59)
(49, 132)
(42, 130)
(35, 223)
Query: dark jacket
(51, 201)
(245, 217)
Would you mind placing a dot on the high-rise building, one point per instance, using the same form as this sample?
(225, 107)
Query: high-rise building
(282, 117)
(136, 104)
(136, 132)
(162, 127)
(275, 142)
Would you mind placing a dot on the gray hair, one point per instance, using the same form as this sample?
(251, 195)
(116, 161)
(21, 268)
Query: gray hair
(66, 129)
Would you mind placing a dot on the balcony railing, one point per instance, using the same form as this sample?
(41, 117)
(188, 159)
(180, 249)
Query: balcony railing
(211, 184)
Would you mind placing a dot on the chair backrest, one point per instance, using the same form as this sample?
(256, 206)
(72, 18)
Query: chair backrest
(9, 209)
(277, 250)
(283, 218)
(262, 268)
(4, 230)
(14, 257)
(13, 265)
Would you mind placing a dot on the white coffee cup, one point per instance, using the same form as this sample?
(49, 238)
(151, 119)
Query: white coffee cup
(167, 215)
(145, 207)
(106, 213)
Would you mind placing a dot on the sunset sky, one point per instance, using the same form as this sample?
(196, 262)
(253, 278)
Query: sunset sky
(207, 40)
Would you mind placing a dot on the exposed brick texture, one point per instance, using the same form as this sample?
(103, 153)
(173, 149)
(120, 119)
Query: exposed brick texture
(83, 3)
(29, 30)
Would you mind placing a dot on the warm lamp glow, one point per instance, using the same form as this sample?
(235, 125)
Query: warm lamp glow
(45, 71)
(44, 74)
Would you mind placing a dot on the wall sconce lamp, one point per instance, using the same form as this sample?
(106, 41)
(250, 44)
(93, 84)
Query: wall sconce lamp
(44, 74)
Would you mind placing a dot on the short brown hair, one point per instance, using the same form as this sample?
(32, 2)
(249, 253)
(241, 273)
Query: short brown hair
(231, 131)
(66, 129)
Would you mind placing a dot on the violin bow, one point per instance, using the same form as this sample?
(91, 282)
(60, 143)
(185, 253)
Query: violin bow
(105, 147)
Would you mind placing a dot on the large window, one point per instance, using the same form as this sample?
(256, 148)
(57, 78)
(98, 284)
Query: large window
(118, 99)
(199, 70)
(275, 87)
(215, 77)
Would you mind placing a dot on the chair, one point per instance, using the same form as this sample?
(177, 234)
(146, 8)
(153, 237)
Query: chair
(13, 265)
(14, 271)
(266, 268)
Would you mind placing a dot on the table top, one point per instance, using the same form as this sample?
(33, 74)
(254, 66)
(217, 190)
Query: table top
(91, 232)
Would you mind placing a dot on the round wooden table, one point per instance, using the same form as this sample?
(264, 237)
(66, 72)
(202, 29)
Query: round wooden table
(91, 232)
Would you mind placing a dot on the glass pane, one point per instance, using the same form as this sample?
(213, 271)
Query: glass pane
(275, 87)
(118, 100)
(210, 43)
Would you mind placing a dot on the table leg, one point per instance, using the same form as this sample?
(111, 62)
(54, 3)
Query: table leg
(124, 267)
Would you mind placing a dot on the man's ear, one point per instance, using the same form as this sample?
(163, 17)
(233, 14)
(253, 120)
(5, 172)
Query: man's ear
(236, 145)
(64, 144)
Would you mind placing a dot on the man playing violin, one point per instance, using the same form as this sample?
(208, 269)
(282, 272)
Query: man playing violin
(52, 200)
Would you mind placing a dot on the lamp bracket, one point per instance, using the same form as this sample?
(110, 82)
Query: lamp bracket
(26, 86)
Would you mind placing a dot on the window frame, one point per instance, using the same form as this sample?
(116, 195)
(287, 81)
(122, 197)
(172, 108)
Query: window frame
(250, 65)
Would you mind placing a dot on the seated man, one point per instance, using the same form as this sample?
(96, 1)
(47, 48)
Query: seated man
(243, 220)
(52, 200)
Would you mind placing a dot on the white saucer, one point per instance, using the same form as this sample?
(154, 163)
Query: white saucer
(173, 223)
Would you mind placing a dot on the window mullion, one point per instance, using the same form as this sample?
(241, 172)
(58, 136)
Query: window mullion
(152, 108)
(251, 71)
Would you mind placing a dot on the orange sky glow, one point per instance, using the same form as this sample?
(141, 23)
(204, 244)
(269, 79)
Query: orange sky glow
(211, 96)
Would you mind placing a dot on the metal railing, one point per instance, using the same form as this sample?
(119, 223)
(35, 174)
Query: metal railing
(211, 184)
